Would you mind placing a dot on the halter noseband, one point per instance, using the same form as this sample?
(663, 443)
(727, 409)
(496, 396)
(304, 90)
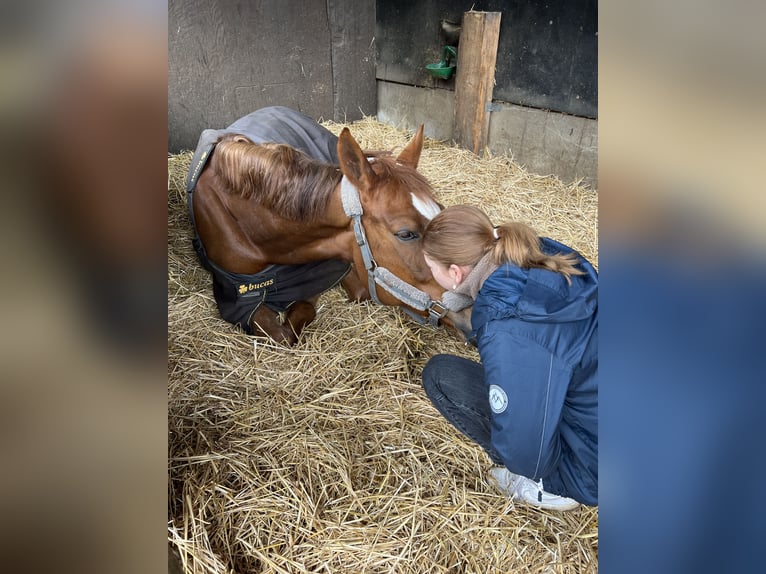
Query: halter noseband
(406, 293)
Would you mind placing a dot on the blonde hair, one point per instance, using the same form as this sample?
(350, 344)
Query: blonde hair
(463, 234)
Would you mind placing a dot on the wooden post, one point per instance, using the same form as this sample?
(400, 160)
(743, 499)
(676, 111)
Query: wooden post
(475, 79)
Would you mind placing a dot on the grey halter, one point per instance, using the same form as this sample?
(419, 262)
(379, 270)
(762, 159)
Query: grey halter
(406, 293)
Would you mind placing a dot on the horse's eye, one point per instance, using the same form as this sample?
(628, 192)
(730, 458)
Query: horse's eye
(407, 235)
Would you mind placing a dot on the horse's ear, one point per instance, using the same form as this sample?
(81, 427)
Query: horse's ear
(411, 154)
(353, 162)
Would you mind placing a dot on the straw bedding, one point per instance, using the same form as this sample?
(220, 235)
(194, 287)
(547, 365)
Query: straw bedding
(328, 456)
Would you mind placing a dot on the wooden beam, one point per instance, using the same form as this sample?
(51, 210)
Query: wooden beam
(475, 79)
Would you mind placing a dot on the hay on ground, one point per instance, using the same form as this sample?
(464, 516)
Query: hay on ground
(328, 456)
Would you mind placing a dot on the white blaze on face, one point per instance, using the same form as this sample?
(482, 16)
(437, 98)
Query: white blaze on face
(428, 208)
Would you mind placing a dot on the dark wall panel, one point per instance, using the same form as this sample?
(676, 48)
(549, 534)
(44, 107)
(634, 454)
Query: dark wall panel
(547, 52)
(353, 58)
(230, 57)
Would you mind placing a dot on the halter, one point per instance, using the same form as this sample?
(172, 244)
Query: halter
(406, 293)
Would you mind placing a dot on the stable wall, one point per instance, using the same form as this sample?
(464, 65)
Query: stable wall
(546, 56)
(544, 142)
(322, 57)
(227, 58)
(545, 95)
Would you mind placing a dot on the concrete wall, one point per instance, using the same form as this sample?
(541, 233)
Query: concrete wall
(544, 142)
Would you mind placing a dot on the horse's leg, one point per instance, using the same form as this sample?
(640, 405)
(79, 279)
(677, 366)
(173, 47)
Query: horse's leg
(355, 288)
(300, 314)
(266, 322)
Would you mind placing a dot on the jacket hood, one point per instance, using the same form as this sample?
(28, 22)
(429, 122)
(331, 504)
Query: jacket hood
(537, 295)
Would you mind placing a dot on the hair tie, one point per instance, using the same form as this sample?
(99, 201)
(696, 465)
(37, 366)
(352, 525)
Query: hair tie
(494, 232)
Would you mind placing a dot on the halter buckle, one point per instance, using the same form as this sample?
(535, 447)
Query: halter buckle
(436, 311)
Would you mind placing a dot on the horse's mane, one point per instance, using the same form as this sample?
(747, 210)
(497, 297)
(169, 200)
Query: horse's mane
(292, 184)
(282, 178)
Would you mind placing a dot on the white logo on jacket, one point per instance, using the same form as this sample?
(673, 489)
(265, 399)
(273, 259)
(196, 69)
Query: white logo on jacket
(498, 400)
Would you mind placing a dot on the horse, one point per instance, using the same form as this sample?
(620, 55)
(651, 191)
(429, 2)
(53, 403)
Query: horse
(283, 210)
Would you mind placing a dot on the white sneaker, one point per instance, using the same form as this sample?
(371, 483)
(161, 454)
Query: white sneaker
(526, 490)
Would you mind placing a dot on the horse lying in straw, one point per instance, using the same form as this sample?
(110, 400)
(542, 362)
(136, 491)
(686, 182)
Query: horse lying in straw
(284, 210)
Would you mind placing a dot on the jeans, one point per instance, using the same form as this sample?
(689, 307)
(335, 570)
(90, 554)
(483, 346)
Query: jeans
(456, 388)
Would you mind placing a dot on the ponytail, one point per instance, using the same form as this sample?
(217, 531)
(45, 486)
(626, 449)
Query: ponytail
(463, 234)
(518, 243)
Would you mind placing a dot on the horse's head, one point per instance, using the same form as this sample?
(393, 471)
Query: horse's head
(398, 203)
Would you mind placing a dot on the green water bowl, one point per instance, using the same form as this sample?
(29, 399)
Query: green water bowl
(444, 69)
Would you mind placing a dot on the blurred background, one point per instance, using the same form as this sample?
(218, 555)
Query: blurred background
(83, 124)
(681, 92)
(83, 130)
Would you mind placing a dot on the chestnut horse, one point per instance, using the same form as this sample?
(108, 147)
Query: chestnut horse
(278, 221)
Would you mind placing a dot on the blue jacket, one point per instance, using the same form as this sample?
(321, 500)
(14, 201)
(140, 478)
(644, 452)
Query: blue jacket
(538, 341)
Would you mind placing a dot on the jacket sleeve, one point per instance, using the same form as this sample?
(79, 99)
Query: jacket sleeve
(526, 386)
